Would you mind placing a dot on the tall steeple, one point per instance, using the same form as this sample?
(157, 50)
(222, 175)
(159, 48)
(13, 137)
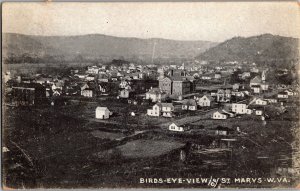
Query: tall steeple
(263, 76)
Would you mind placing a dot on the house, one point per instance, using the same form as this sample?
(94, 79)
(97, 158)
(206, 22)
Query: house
(271, 100)
(57, 92)
(255, 81)
(223, 95)
(240, 108)
(189, 104)
(164, 109)
(205, 77)
(84, 86)
(81, 76)
(260, 101)
(124, 84)
(88, 92)
(218, 115)
(93, 70)
(174, 127)
(57, 85)
(245, 75)
(235, 86)
(165, 85)
(155, 111)
(167, 109)
(156, 95)
(264, 86)
(219, 130)
(124, 93)
(256, 89)
(205, 101)
(258, 112)
(103, 87)
(220, 95)
(90, 77)
(289, 92)
(283, 95)
(218, 75)
(102, 113)
(238, 94)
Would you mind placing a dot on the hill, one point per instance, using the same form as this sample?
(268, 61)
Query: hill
(260, 48)
(97, 46)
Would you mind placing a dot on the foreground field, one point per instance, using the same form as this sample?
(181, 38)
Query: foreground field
(62, 147)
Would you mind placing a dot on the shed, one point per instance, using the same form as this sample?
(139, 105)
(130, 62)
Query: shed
(102, 113)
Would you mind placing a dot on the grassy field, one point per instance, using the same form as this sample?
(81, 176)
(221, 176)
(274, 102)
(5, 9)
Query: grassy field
(65, 148)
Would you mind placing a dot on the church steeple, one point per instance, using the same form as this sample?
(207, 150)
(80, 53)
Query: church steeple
(263, 76)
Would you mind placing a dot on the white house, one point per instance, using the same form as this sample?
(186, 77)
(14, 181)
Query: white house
(256, 89)
(167, 109)
(290, 92)
(124, 93)
(124, 84)
(219, 115)
(87, 92)
(164, 109)
(93, 70)
(155, 111)
(174, 127)
(205, 101)
(283, 95)
(240, 108)
(156, 95)
(218, 75)
(258, 112)
(90, 78)
(102, 113)
(260, 101)
(264, 86)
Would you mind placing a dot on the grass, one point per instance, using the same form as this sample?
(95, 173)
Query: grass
(147, 148)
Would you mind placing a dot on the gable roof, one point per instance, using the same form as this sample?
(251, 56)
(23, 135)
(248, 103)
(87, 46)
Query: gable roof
(256, 79)
(209, 97)
(165, 104)
(101, 108)
(190, 102)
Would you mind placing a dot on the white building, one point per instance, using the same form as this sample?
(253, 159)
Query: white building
(93, 70)
(164, 109)
(205, 101)
(156, 95)
(218, 115)
(174, 127)
(155, 111)
(283, 95)
(102, 113)
(258, 112)
(240, 108)
(87, 92)
(260, 101)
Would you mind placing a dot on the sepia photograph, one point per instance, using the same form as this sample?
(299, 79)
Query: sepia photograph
(150, 95)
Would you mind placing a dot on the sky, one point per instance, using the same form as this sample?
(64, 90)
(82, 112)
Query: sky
(211, 21)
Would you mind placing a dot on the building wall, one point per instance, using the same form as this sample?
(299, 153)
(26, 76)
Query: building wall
(102, 114)
(166, 85)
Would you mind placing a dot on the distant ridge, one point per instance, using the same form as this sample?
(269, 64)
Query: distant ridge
(94, 46)
(256, 48)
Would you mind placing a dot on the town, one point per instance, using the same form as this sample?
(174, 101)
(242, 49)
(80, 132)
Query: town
(208, 112)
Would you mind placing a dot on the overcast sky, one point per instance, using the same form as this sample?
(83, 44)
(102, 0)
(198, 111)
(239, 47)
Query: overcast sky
(180, 21)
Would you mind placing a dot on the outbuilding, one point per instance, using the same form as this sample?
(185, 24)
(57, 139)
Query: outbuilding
(102, 113)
